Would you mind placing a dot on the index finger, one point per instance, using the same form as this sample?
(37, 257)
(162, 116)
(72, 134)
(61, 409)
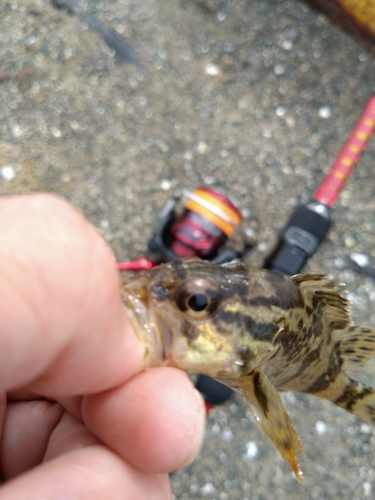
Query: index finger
(63, 330)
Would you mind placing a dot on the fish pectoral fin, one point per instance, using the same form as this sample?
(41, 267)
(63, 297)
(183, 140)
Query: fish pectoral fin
(355, 346)
(269, 412)
(327, 292)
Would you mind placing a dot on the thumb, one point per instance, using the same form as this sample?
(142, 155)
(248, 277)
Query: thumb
(63, 329)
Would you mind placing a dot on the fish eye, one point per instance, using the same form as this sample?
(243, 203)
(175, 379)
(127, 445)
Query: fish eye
(198, 302)
(197, 299)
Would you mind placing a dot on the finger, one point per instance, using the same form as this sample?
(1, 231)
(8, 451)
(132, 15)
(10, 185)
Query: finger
(91, 472)
(155, 420)
(63, 329)
(34, 431)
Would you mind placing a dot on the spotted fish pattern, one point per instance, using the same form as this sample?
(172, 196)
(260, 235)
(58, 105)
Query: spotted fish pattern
(258, 332)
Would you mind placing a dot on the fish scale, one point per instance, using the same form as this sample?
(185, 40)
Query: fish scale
(256, 331)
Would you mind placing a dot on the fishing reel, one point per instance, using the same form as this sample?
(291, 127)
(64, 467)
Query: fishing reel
(201, 227)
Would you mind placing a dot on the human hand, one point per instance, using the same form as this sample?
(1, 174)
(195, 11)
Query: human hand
(78, 417)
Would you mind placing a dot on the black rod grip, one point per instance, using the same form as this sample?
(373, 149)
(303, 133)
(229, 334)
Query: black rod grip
(300, 238)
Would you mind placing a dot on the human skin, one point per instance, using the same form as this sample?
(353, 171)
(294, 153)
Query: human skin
(78, 416)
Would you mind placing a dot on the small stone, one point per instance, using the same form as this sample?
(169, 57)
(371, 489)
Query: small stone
(321, 428)
(212, 69)
(16, 131)
(3, 75)
(290, 397)
(209, 179)
(162, 53)
(227, 434)
(56, 132)
(216, 429)
(165, 184)
(366, 429)
(280, 110)
(367, 488)
(24, 74)
(188, 155)
(7, 173)
(246, 213)
(287, 44)
(360, 259)
(325, 112)
(224, 153)
(207, 489)
(252, 450)
(31, 40)
(349, 242)
(279, 69)
(202, 147)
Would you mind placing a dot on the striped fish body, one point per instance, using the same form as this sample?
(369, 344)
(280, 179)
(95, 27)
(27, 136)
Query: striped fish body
(257, 332)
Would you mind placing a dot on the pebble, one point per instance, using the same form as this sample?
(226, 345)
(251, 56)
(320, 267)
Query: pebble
(290, 397)
(202, 147)
(279, 69)
(165, 184)
(209, 179)
(212, 69)
(3, 75)
(366, 429)
(227, 435)
(56, 132)
(367, 489)
(325, 112)
(252, 450)
(7, 173)
(24, 74)
(207, 489)
(360, 258)
(280, 111)
(321, 428)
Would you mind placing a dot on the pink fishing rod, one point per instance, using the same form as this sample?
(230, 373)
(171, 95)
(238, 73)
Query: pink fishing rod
(329, 190)
(309, 224)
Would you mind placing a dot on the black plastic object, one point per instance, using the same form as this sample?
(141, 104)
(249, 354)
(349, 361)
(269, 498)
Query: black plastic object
(300, 238)
(213, 392)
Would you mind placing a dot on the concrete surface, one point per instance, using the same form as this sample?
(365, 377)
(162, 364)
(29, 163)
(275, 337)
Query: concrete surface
(254, 97)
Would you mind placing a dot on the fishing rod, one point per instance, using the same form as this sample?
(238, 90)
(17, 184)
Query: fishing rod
(309, 224)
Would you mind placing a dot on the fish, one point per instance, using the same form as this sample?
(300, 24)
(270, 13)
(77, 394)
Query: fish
(256, 331)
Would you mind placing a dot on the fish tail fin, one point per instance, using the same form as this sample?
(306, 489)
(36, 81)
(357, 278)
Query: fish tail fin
(269, 412)
(358, 399)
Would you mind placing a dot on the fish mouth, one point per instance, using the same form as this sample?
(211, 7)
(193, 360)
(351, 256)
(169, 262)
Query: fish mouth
(135, 297)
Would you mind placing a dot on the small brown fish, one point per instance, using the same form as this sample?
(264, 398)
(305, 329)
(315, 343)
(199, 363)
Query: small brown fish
(257, 332)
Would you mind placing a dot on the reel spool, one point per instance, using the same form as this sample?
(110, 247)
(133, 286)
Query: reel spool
(206, 222)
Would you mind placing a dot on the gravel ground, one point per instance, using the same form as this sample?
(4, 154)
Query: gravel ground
(252, 97)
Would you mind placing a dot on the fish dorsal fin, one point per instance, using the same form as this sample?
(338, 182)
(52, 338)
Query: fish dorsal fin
(355, 346)
(321, 288)
(269, 412)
